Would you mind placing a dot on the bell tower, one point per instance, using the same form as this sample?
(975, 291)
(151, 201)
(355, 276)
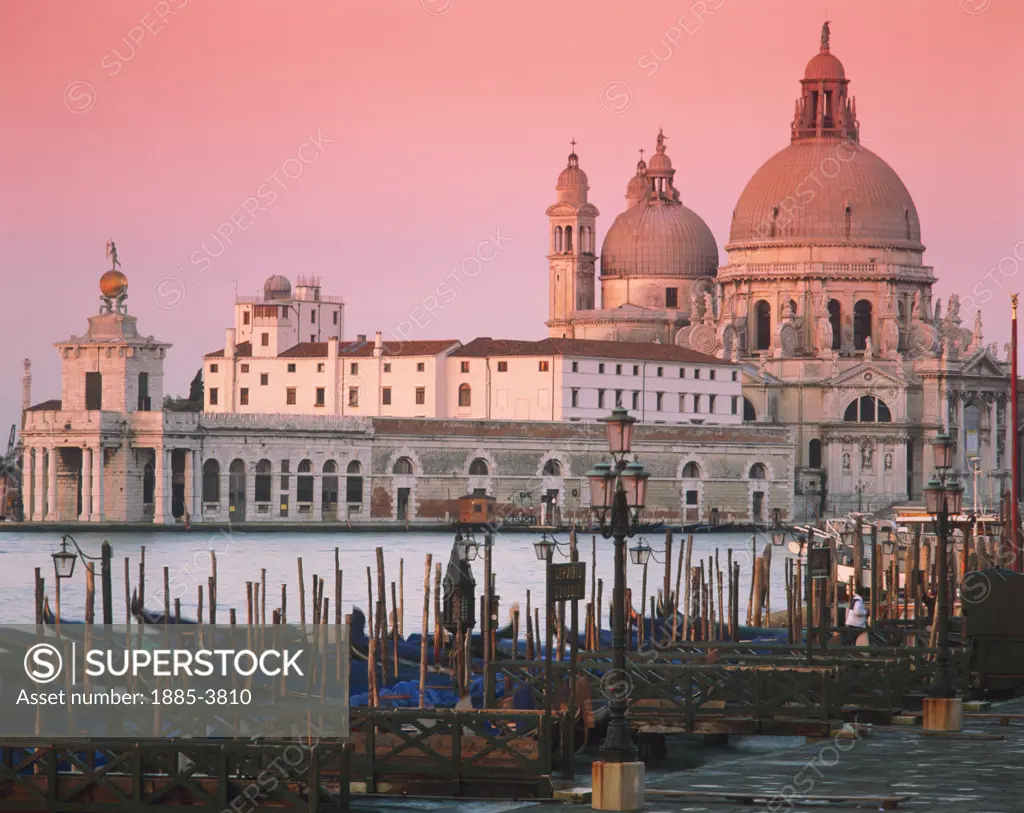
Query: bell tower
(571, 249)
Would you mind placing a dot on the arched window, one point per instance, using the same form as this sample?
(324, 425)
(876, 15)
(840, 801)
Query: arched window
(148, 484)
(758, 472)
(835, 319)
(236, 488)
(763, 317)
(814, 454)
(691, 471)
(465, 395)
(861, 323)
(263, 481)
(568, 239)
(478, 467)
(552, 468)
(972, 425)
(211, 481)
(304, 482)
(749, 413)
(558, 239)
(867, 409)
(354, 482)
(402, 466)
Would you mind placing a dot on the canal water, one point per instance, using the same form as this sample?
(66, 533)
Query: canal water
(241, 555)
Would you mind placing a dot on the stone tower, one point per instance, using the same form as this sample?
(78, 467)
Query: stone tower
(571, 256)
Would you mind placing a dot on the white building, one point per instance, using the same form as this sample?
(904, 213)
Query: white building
(583, 379)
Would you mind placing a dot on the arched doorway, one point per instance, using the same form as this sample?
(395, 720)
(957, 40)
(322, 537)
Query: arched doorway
(329, 491)
(861, 324)
(835, 320)
(236, 490)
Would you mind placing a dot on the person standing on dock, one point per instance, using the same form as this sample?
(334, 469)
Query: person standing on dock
(856, 620)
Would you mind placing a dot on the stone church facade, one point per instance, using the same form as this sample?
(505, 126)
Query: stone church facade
(824, 298)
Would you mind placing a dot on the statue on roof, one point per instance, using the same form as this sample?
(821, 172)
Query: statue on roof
(661, 140)
(112, 253)
(825, 32)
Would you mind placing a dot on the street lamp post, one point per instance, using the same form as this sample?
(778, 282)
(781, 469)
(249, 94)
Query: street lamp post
(617, 496)
(64, 568)
(943, 500)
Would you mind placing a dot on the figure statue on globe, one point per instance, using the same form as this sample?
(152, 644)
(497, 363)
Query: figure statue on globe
(112, 253)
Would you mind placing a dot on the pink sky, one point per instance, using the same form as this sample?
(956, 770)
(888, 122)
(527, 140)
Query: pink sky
(444, 122)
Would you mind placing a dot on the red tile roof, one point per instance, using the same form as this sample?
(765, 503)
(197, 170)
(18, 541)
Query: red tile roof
(241, 349)
(483, 347)
(53, 405)
(365, 349)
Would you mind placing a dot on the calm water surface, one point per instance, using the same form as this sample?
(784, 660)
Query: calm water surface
(241, 555)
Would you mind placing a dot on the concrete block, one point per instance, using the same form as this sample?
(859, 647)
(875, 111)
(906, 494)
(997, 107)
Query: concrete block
(618, 786)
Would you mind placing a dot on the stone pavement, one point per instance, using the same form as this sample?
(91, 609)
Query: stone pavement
(979, 774)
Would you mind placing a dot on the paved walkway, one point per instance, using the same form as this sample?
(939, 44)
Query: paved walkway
(971, 774)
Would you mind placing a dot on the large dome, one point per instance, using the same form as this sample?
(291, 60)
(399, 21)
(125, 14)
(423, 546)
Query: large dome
(826, 190)
(659, 239)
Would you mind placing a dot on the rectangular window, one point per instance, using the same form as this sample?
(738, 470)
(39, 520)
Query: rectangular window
(312, 317)
(243, 396)
(661, 372)
(353, 368)
(420, 366)
(285, 467)
(575, 366)
(421, 395)
(353, 396)
(93, 391)
(502, 366)
(696, 403)
(600, 367)
(245, 317)
(711, 374)
(671, 297)
(312, 337)
(542, 366)
(682, 402)
(659, 400)
(335, 315)
(711, 404)
(213, 396)
(696, 373)
(386, 396)
(691, 497)
(321, 393)
(320, 367)
(636, 369)
(289, 396)
(575, 397)
(600, 399)
(735, 405)
(264, 379)
(618, 369)
(636, 400)
(735, 375)
(387, 367)
(245, 368)
(214, 368)
(265, 340)
(464, 366)
(618, 397)
(291, 367)
(682, 372)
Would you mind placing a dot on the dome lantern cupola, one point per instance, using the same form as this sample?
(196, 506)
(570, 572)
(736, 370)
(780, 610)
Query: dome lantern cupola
(824, 109)
(639, 185)
(572, 183)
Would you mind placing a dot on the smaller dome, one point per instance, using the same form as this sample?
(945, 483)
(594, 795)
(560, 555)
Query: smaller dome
(113, 284)
(277, 287)
(824, 67)
(639, 185)
(572, 183)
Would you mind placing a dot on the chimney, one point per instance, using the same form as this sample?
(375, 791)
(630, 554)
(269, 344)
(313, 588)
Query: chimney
(378, 345)
(229, 344)
(360, 337)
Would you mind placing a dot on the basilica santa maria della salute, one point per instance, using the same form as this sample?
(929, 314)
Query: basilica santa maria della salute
(801, 371)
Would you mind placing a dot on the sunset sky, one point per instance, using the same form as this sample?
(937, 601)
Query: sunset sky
(423, 127)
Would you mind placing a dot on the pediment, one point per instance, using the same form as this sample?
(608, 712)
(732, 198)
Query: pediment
(867, 376)
(982, 364)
